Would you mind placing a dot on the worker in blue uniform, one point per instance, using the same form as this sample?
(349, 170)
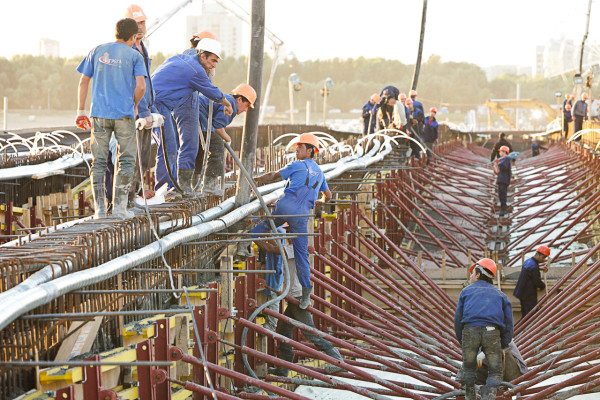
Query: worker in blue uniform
(305, 181)
(430, 132)
(530, 280)
(502, 168)
(483, 319)
(176, 82)
(369, 114)
(241, 98)
(419, 111)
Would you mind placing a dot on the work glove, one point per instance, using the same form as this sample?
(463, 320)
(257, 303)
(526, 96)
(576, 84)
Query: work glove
(82, 121)
(157, 120)
(140, 123)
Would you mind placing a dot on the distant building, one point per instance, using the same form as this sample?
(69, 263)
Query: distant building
(49, 48)
(225, 26)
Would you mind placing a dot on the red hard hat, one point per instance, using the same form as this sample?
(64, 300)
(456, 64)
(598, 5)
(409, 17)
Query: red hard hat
(505, 148)
(433, 110)
(545, 250)
(486, 266)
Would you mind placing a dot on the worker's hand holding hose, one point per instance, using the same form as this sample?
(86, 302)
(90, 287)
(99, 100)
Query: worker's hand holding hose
(154, 120)
(82, 121)
(228, 109)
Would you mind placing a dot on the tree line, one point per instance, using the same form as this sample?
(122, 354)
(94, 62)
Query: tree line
(34, 82)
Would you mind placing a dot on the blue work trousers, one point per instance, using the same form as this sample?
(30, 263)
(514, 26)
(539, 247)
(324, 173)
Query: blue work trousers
(181, 138)
(293, 204)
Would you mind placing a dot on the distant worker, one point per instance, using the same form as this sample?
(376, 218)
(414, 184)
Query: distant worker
(483, 319)
(176, 82)
(369, 114)
(386, 116)
(536, 147)
(118, 74)
(567, 118)
(579, 112)
(419, 111)
(241, 98)
(305, 181)
(430, 132)
(296, 312)
(530, 280)
(502, 168)
(411, 128)
(501, 142)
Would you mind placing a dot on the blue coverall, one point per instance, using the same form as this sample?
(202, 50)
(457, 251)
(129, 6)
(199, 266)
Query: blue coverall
(530, 280)
(176, 83)
(306, 180)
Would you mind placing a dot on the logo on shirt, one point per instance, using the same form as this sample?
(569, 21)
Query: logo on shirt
(105, 59)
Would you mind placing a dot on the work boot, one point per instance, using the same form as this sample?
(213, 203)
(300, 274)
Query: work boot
(279, 371)
(488, 393)
(184, 179)
(99, 200)
(470, 392)
(305, 299)
(120, 198)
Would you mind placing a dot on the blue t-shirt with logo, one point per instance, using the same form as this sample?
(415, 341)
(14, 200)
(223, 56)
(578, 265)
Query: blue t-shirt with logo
(113, 67)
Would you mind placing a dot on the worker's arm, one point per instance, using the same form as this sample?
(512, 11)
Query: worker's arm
(268, 177)
(82, 91)
(506, 334)
(223, 134)
(140, 89)
(326, 196)
(458, 326)
(537, 279)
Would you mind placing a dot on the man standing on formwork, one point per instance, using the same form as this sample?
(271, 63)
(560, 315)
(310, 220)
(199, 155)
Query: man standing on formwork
(530, 280)
(502, 168)
(305, 181)
(118, 74)
(241, 98)
(483, 319)
(176, 82)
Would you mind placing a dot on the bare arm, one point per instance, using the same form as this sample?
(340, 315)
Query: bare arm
(140, 89)
(326, 196)
(82, 91)
(268, 177)
(224, 135)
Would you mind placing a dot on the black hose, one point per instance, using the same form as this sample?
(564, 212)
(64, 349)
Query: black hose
(166, 157)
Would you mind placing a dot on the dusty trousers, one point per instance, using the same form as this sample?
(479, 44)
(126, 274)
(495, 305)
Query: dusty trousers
(488, 339)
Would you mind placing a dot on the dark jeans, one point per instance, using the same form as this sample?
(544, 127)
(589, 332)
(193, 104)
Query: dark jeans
(293, 311)
(526, 306)
(474, 337)
(502, 194)
(578, 125)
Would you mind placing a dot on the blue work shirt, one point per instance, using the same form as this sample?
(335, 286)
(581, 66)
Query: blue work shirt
(418, 112)
(482, 304)
(145, 108)
(297, 172)
(430, 129)
(530, 280)
(113, 68)
(504, 173)
(220, 119)
(180, 76)
(369, 111)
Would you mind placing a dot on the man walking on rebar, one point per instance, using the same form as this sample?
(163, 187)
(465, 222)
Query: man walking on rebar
(502, 168)
(530, 280)
(305, 181)
(483, 319)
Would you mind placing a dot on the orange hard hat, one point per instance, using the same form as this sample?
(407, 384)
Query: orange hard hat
(309, 138)
(485, 266)
(433, 110)
(136, 13)
(504, 148)
(545, 250)
(412, 93)
(375, 98)
(243, 89)
(204, 35)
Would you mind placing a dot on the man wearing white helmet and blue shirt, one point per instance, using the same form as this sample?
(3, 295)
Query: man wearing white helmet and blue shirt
(176, 82)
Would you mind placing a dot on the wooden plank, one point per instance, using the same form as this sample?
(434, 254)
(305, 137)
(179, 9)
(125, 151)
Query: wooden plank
(79, 342)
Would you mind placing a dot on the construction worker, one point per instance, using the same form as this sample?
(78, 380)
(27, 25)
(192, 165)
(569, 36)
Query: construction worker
(430, 132)
(530, 280)
(118, 74)
(411, 128)
(242, 98)
(536, 147)
(501, 142)
(419, 111)
(385, 112)
(305, 181)
(176, 82)
(502, 168)
(369, 114)
(483, 319)
(146, 110)
(579, 112)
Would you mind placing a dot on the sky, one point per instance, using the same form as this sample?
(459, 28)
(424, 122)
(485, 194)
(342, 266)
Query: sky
(483, 32)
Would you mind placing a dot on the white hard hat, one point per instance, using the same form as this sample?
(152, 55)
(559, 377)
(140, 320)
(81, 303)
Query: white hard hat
(210, 45)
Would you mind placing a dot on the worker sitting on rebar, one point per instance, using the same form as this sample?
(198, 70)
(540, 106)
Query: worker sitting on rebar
(176, 82)
(530, 280)
(483, 319)
(305, 181)
(241, 98)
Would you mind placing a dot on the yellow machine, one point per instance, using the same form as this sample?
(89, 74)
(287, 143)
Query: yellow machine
(499, 107)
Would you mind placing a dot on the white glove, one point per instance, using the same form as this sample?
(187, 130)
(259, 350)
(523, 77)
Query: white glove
(140, 123)
(480, 358)
(158, 120)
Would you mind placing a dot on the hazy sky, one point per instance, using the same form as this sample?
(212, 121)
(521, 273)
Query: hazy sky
(479, 31)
